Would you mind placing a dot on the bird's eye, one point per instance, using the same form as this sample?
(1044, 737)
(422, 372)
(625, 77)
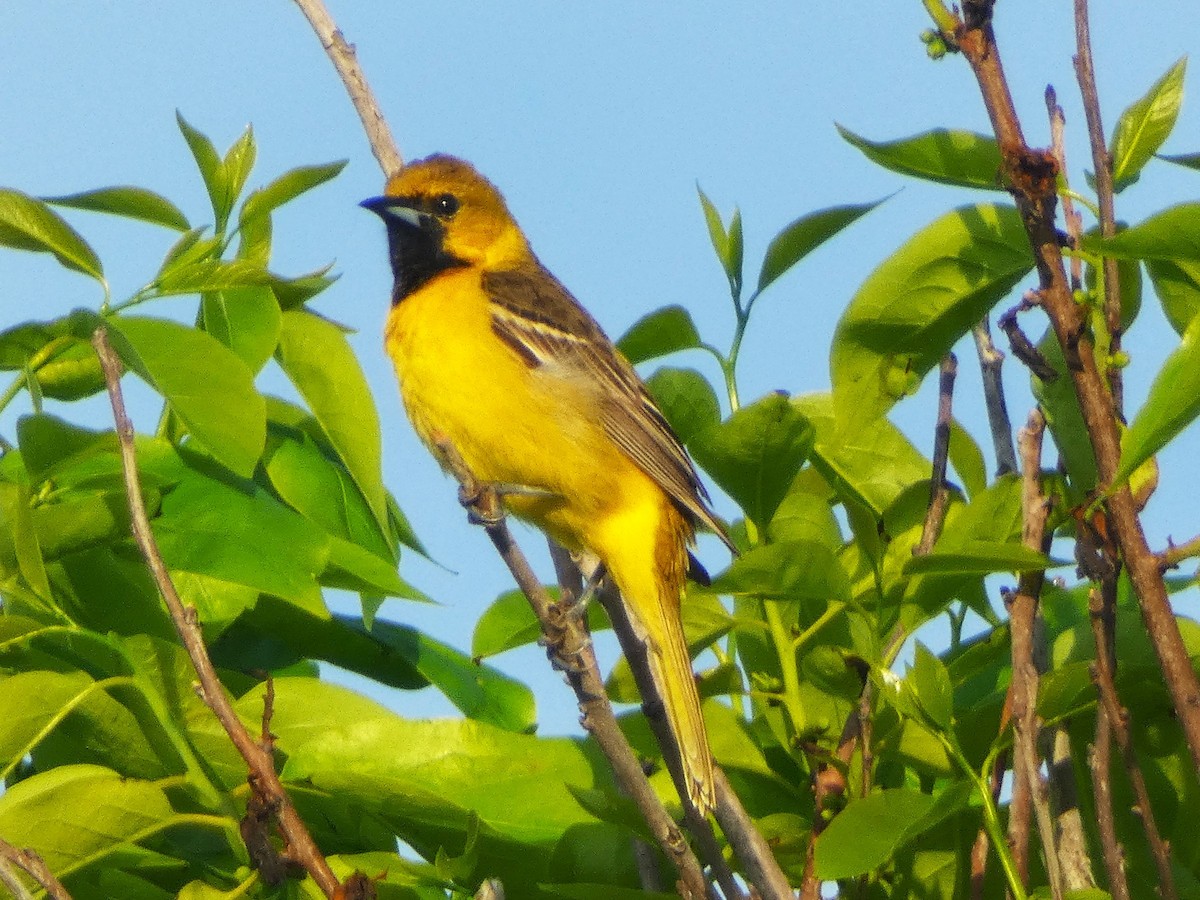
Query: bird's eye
(445, 205)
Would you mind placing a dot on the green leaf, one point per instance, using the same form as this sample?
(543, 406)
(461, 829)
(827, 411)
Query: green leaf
(1177, 283)
(209, 274)
(29, 224)
(959, 158)
(1172, 235)
(239, 160)
(1187, 160)
(980, 557)
(930, 684)
(131, 202)
(663, 331)
(1171, 406)
(206, 385)
(870, 463)
(795, 570)
(211, 529)
(27, 721)
(804, 235)
(509, 622)
(212, 171)
(316, 356)
(323, 492)
(247, 320)
(755, 454)
(287, 187)
(43, 812)
(686, 400)
(726, 244)
(914, 307)
(967, 459)
(865, 834)
(1144, 126)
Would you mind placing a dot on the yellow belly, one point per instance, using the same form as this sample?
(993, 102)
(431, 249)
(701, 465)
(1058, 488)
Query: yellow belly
(515, 424)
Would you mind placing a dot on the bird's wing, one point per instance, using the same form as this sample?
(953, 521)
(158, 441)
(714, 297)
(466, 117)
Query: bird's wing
(535, 315)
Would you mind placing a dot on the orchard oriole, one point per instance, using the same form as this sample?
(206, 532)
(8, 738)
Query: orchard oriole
(494, 355)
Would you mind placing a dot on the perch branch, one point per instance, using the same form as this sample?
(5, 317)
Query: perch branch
(264, 783)
(29, 862)
(341, 54)
(939, 494)
(1031, 176)
(569, 644)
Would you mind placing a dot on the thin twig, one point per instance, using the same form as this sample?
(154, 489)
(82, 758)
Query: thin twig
(263, 780)
(1023, 348)
(747, 842)
(1072, 218)
(1118, 720)
(939, 494)
(1023, 605)
(990, 362)
(1100, 763)
(1177, 553)
(1102, 163)
(1032, 178)
(29, 862)
(344, 59)
(1073, 857)
(569, 644)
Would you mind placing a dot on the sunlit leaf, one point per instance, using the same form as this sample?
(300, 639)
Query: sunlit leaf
(1172, 235)
(206, 384)
(913, 308)
(960, 158)
(1171, 406)
(804, 235)
(1143, 127)
(131, 202)
(686, 399)
(867, 832)
(980, 557)
(287, 187)
(663, 331)
(1177, 283)
(29, 224)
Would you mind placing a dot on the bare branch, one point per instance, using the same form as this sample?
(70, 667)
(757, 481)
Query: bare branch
(1118, 720)
(1023, 348)
(569, 644)
(29, 862)
(939, 494)
(1177, 553)
(344, 59)
(300, 846)
(990, 362)
(1102, 163)
(1073, 857)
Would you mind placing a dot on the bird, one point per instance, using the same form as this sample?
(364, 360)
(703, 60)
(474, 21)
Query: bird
(495, 357)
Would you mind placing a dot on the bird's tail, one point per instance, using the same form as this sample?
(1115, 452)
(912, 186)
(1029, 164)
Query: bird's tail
(654, 611)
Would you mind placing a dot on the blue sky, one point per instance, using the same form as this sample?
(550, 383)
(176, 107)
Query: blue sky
(597, 122)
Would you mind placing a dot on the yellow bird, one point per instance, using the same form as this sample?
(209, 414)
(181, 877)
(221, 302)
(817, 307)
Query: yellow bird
(494, 355)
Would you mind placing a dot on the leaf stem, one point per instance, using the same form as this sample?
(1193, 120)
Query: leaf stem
(787, 664)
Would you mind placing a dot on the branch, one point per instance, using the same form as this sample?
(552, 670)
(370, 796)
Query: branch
(1073, 857)
(939, 495)
(1100, 760)
(344, 59)
(1102, 163)
(262, 778)
(1024, 687)
(568, 642)
(1177, 553)
(990, 361)
(1031, 176)
(1023, 348)
(1118, 720)
(28, 861)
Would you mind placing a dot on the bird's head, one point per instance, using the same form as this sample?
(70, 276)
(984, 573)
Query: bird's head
(442, 214)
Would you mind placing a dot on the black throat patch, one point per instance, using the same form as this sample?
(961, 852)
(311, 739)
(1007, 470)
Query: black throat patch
(417, 255)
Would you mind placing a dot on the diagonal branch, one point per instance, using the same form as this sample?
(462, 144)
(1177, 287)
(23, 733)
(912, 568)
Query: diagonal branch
(263, 780)
(29, 862)
(569, 644)
(990, 362)
(342, 55)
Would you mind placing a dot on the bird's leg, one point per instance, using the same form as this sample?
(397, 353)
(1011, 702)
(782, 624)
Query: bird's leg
(578, 606)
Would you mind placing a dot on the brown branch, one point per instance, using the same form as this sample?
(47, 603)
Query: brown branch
(29, 862)
(1024, 687)
(344, 59)
(1073, 857)
(569, 644)
(939, 494)
(990, 362)
(262, 777)
(1102, 163)
(1177, 553)
(1100, 763)
(1031, 176)
(1023, 348)
(1118, 720)
(762, 870)
(571, 583)
(1058, 147)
